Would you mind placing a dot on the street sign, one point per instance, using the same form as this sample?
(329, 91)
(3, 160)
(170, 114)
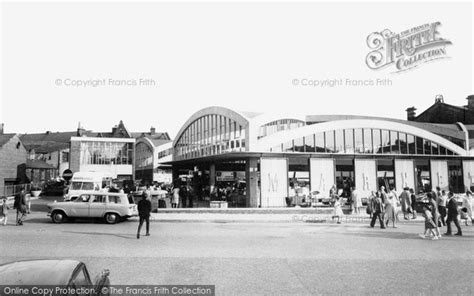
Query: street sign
(67, 175)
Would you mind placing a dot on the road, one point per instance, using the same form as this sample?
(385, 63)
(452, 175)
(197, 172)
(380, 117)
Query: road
(256, 258)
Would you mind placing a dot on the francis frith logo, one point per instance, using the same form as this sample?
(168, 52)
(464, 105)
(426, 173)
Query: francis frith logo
(406, 50)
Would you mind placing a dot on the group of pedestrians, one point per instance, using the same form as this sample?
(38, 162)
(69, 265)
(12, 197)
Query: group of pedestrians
(21, 205)
(441, 210)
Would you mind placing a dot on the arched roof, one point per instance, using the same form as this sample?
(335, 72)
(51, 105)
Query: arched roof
(266, 143)
(238, 117)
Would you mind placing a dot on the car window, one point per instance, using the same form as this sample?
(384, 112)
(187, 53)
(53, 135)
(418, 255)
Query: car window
(114, 199)
(76, 185)
(99, 199)
(88, 186)
(83, 198)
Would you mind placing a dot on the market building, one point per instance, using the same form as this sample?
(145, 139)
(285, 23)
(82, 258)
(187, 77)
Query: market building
(269, 155)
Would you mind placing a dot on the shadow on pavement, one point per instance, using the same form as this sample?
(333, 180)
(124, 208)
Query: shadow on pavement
(130, 236)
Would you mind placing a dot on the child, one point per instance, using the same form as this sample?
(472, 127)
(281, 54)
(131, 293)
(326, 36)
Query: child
(3, 210)
(337, 209)
(429, 224)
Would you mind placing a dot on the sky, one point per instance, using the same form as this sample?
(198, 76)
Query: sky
(156, 63)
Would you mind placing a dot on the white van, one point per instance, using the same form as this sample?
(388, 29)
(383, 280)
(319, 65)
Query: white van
(87, 182)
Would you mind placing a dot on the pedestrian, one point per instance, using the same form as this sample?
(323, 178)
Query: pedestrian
(405, 201)
(467, 204)
(337, 210)
(20, 206)
(378, 210)
(175, 198)
(28, 203)
(356, 200)
(429, 224)
(390, 207)
(383, 194)
(441, 202)
(434, 211)
(413, 202)
(144, 209)
(4, 210)
(452, 208)
(370, 209)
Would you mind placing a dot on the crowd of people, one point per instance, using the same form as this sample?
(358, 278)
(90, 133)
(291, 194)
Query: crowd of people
(439, 208)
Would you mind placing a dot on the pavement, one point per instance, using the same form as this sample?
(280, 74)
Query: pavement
(240, 215)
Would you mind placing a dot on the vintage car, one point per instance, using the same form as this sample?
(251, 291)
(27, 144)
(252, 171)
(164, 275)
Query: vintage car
(63, 274)
(55, 188)
(112, 207)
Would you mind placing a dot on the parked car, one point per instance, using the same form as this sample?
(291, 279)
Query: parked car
(67, 274)
(53, 188)
(113, 207)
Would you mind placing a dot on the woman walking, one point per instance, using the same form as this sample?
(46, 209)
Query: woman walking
(434, 211)
(390, 206)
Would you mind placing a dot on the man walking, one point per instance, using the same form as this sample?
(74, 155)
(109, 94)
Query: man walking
(441, 201)
(20, 206)
(378, 208)
(405, 201)
(453, 215)
(144, 209)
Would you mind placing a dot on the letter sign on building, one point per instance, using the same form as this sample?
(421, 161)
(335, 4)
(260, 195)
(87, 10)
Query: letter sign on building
(274, 181)
(404, 174)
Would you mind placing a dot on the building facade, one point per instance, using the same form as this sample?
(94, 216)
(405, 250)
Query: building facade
(12, 157)
(114, 156)
(274, 153)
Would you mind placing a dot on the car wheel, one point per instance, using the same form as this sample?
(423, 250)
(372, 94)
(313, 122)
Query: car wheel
(111, 218)
(58, 217)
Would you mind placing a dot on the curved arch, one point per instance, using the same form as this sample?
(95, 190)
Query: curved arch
(215, 110)
(266, 143)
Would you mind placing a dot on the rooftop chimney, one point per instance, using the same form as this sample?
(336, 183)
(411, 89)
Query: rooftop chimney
(439, 99)
(1, 128)
(411, 113)
(152, 130)
(470, 102)
(80, 130)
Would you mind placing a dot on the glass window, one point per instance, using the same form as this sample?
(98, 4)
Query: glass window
(442, 150)
(427, 146)
(299, 145)
(349, 140)
(368, 145)
(319, 142)
(339, 141)
(99, 199)
(434, 148)
(309, 144)
(329, 140)
(385, 142)
(411, 144)
(402, 138)
(359, 141)
(419, 145)
(394, 143)
(376, 135)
